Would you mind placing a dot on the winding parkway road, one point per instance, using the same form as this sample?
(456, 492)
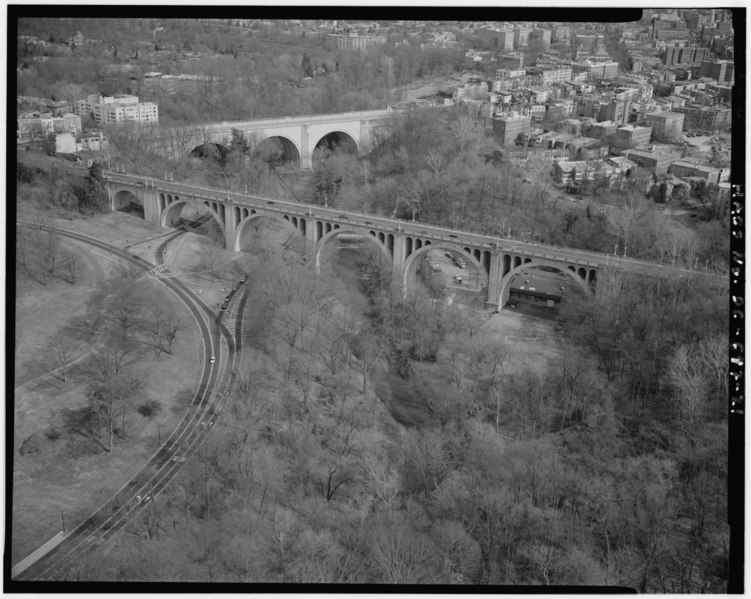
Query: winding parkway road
(216, 381)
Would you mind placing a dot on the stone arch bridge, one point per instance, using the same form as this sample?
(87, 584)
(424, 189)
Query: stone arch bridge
(402, 243)
(298, 136)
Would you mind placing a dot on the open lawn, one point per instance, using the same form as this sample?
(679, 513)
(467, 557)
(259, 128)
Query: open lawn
(56, 473)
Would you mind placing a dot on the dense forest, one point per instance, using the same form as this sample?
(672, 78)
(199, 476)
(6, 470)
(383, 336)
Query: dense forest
(258, 73)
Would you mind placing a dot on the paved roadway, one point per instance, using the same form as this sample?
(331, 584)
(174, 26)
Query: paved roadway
(206, 407)
(532, 250)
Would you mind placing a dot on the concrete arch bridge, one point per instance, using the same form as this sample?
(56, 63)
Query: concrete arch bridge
(297, 136)
(401, 242)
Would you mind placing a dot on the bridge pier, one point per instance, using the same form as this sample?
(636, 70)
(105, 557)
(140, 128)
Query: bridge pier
(151, 205)
(397, 264)
(494, 281)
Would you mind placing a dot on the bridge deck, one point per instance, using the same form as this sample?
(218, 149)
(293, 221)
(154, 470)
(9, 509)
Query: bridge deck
(434, 232)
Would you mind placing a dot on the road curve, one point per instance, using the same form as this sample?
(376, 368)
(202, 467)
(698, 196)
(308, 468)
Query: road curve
(165, 463)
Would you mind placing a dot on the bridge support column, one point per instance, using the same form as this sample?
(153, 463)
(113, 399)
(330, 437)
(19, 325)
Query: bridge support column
(397, 265)
(494, 282)
(230, 228)
(150, 199)
(306, 152)
(310, 237)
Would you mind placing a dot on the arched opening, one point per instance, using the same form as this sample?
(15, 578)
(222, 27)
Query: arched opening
(128, 202)
(263, 231)
(540, 285)
(354, 257)
(194, 214)
(211, 151)
(338, 141)
(278, 150)
(447, 270)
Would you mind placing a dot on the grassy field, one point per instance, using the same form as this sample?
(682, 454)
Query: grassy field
(56, 474)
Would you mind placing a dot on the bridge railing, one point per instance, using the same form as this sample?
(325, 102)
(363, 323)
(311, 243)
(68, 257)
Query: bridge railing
(453, 236)
(318, 118)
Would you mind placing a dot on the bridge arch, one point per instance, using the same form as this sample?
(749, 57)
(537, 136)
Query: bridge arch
(570, 272)
(338, 139)
(244, 216)
(209, 149)
(125, 200)
(272, 145)
(170, 214)
(335, 232)
(412, 259)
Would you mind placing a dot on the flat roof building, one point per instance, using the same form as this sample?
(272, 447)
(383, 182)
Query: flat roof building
(507, 129)
(666, 126)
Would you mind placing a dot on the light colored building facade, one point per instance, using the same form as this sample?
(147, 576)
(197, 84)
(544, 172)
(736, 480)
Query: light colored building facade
(354, 42)
(117, 109)
(631, 136)
(506, 129)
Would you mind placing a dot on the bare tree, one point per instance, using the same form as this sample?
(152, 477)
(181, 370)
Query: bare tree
(62, 353)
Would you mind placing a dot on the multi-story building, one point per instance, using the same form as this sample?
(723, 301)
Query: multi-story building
(505, 39)
(721, 70)
(506, 129)
(632, 136)
(668, 29)
(688, 168)
(615, 111)
(603, 129)
(561, 33)
(678, 54)
(706, 118)
(510, 74)
(586, 43)
(656, 161)
(555, 75)
(117, 109)
(354, 41)
(521, 37)
(666, 126)
(539, 39)
(45, 123)
(512, 61)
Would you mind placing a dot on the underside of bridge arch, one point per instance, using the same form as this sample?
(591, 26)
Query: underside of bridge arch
(210, 150)
(333, 233)
(410, 264)
(176, 210)
(338, 141)
(570, 272)
(128, 202)
(279, 150)
(261, 230)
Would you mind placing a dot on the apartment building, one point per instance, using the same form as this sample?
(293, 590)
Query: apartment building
(678, 54)
(633, 136)
(507, 128)
(656, 161)
(117, 109)
(666, 126)
(706, 118)
(505, 39)
(687, 168)
(539, 39)
(721, 70)
(512, 61)
(354, 41)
